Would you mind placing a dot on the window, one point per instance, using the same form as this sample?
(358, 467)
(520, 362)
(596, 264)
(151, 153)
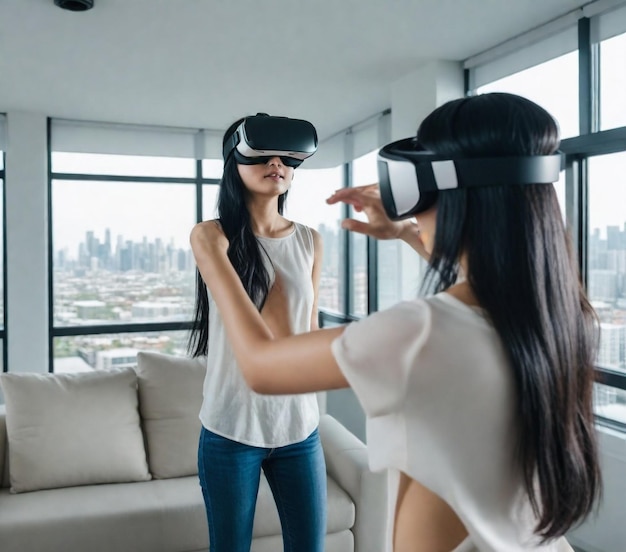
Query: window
(125, 165)
(209, 201)
(2, 248)
(212, 168)
(364, 171)
(306, 203)
(120, 253)
(82, 353)
(613, 82)
(607, 273)
(552, 84)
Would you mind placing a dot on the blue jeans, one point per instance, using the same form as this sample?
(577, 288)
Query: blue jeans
(230, 473)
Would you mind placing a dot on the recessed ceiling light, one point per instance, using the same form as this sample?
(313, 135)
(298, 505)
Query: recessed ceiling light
(74, 5)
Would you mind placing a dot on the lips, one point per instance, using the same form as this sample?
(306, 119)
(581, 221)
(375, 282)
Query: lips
(274, 175)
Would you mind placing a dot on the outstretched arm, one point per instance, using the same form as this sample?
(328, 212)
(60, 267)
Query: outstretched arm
(296, 364)
(367, 199)
(316, 276)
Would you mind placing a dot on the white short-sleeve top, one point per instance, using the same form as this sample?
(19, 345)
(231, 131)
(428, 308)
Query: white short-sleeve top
(437, 389)
(230, 408)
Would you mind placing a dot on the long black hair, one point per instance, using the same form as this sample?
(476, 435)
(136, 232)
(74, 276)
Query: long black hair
(244, 251)
(521, 267)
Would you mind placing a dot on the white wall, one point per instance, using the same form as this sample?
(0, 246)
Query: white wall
(415, 95)
(27, 242)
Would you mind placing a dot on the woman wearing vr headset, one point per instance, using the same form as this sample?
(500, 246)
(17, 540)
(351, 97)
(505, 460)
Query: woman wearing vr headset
(479, 396)
(244, 433)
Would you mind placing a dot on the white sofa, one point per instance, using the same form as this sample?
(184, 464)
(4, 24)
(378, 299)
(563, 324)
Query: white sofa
(106, 461)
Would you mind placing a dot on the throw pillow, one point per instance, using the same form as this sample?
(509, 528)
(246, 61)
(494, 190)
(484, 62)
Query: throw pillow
(73, 429)
(170, 396)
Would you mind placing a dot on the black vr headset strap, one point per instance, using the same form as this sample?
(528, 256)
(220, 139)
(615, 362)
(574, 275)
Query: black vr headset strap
(231, 144)
(542, 169)
(449, 174)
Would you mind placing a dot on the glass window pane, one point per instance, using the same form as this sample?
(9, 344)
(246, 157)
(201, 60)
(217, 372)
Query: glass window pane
(607, 258)
(553, 85)
(209, 201)
(107, 351)
(364, 171)
(306, 203)
(400, 272)
(212, 168)
(613, 82)
(123, 165)
(121, 252)
(2, 279)
(610, 402)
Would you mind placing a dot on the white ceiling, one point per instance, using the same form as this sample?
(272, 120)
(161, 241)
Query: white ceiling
(203, 63)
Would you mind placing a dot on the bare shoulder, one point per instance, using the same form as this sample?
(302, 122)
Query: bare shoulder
(206, 231)
(318, 243)
(317, 237)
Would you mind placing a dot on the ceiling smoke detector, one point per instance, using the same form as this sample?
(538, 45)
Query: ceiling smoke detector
(74, 5)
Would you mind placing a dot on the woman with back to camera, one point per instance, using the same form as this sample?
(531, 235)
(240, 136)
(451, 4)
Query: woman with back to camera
(478, 397)
(243, 432)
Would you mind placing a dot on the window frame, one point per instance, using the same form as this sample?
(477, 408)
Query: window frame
(99, 329)
(577, 152)
(4, 330)
(324, 315)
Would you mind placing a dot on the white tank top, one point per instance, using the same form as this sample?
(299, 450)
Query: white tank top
(230, 408)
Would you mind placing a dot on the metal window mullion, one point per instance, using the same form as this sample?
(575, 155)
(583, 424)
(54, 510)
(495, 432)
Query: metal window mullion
(582, 222)
(585, 72)
(347, 272)
(611, 378)
(123, 178)
(576, 209)
(199, 199)
(467, 82)
(4, 264)
(98, 329)
(50, 252)
(372, 275)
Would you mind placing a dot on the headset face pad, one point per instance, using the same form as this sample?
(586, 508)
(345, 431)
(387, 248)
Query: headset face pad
(410, 178)
(262, 160)
(261, 137)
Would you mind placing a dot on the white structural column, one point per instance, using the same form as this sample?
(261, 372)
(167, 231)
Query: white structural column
(415, 95)
(27, 242)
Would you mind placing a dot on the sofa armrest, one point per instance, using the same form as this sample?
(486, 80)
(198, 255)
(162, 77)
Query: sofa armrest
(4, 449)
(347, 465)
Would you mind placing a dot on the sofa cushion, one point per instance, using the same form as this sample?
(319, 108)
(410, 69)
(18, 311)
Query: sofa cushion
(157, 515)
(170, 396)
(73, 429)
(4, 449)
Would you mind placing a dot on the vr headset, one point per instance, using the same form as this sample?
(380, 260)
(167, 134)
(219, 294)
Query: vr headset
(260, 137)
(410, 177)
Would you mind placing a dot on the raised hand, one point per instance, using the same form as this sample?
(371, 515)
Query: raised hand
(366, 199)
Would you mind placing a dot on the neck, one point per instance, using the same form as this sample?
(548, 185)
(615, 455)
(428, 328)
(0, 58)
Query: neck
(265, 218)
(461, 290)
(464, 293)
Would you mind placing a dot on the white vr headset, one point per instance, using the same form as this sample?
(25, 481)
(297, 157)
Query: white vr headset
(410, 177)
(260, 137)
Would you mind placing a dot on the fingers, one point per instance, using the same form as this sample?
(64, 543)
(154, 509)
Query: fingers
(359, 195)
(356, 226)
